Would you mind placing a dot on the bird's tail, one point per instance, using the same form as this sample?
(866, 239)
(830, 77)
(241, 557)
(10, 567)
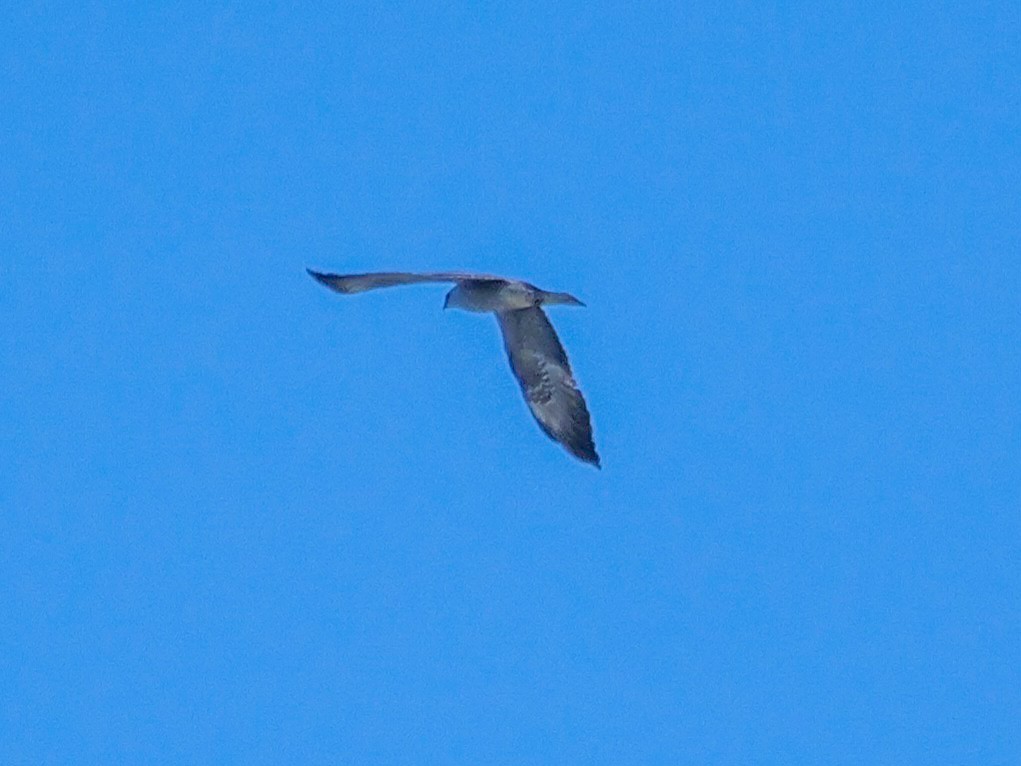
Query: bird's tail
(564, 299)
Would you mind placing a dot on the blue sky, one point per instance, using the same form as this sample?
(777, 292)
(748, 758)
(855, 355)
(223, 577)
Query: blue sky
(245, 520)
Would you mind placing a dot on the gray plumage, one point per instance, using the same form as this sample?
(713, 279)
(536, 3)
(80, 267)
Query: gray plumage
(536, 355)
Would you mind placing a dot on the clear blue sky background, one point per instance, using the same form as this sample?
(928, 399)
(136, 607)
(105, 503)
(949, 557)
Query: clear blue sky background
(248, 521)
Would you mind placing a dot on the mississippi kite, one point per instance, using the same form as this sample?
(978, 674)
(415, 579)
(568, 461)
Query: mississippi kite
(536, 355)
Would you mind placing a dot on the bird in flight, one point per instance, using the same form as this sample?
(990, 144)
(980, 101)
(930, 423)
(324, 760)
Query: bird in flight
(536, 355)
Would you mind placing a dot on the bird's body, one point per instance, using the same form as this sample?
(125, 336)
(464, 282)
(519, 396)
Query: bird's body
(492, 295)
(536, 355)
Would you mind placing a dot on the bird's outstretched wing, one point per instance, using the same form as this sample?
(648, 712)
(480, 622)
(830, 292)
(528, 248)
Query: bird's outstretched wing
(540, 364)
(358, 283)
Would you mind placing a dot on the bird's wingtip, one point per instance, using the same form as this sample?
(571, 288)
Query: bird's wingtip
(588, 454)
(329, 280)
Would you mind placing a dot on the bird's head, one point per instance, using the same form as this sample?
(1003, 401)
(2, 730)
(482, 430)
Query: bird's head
(454, 298)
